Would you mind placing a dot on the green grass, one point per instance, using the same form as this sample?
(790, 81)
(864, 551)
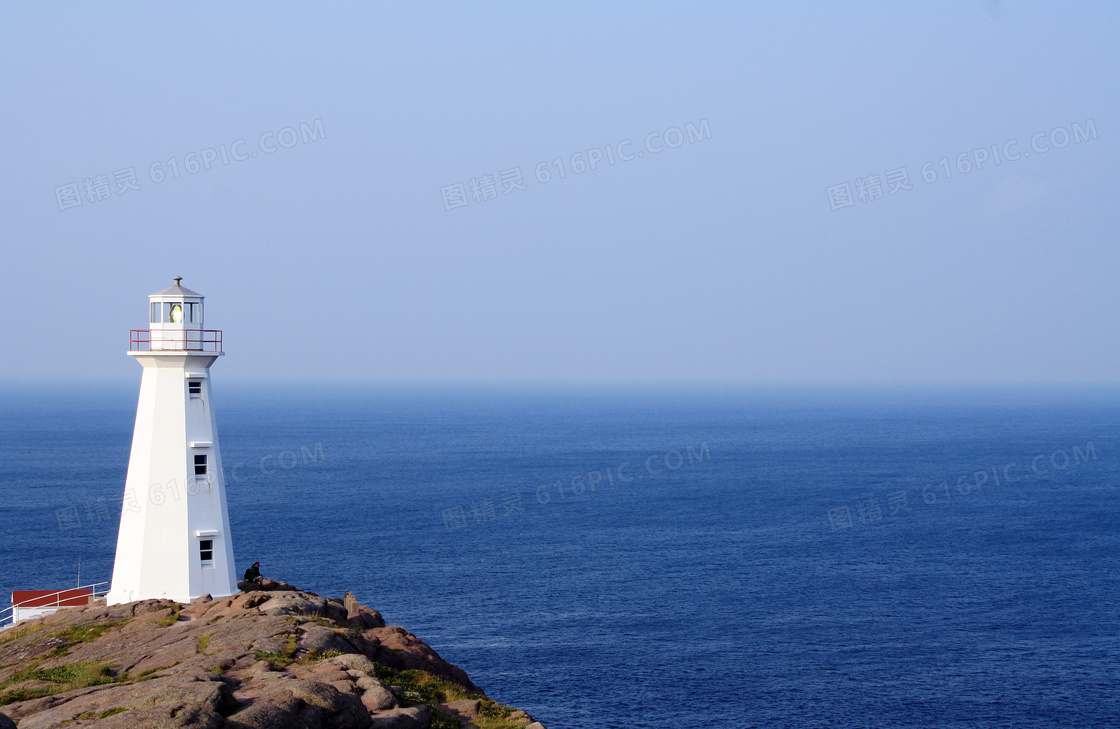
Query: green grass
(7, 636)
(86, 633)
(431, 689)
(64, 678)
(203, 642)
(324, 621)
(286, 657)
(496, 716)
(103, 714)
(150, 673)
(441, 720)
(171, 618)
(283, 658)
(434, 690)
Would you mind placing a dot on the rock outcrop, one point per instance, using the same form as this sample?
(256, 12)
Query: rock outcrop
(270, 657)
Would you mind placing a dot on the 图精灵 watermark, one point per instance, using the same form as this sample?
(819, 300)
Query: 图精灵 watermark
(870, 509)
(104, 510)
(100, 187)
(869, 188)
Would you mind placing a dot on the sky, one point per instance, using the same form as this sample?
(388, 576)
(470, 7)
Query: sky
(821, 193)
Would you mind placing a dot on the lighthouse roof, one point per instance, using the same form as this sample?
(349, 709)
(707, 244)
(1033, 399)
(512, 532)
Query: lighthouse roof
(177, 290)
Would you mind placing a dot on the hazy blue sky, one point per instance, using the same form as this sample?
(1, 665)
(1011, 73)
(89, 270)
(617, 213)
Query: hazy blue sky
(720, 259)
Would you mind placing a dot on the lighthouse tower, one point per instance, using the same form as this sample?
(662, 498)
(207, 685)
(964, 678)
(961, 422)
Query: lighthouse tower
(174, 539)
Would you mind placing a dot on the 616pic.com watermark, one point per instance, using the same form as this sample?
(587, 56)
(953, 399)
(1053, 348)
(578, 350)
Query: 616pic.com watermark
(106, 510)
(870, 188)
(484, 187)
(578, 486)
(98, 188)
(869, 510)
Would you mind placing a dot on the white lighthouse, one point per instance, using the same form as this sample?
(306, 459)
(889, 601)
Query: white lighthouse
(174, 540)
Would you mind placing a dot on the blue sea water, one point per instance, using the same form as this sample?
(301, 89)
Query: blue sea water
(825, 558)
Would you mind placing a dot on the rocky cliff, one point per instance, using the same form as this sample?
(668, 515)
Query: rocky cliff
(273, 658)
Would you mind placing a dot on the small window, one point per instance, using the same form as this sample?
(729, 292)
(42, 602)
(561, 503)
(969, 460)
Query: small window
(206, 550)
(154, 318)
(200, 465)
(194, 387)
(192, 313)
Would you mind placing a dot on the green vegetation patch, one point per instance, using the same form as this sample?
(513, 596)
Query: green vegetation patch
(325, 622)
(434, 690)
(492, 715)
(203, 642)
(441, 720)
(64, 678)
(86, 633)
(283, 658)
(127, 677)
(7, 636)
(171, 618)
(286, 657)
(103, 714)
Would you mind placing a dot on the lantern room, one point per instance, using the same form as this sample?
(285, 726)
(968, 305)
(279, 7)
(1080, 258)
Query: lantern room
(175, 317)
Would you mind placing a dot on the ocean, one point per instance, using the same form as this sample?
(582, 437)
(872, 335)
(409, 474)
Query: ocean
(657, 557)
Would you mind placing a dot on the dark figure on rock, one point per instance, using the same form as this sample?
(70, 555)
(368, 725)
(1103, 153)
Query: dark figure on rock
(253, 574)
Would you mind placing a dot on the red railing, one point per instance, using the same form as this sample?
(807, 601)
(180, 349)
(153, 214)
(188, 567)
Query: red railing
(72, 597)
(191, 340)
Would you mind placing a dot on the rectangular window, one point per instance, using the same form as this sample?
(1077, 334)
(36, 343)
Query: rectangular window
(192, 311)
(206, 550)
(155, 313)
(194, 387)
(200, 465)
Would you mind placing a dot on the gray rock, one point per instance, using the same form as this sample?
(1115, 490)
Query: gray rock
(169, 701)
(267, 715)
(414, 717)
(354, 662)
(535, 725)
(164, 717)
(300, 703)
(463, 709)
(319, 639)
(302, 603)
(376, 695)
(350, 602)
